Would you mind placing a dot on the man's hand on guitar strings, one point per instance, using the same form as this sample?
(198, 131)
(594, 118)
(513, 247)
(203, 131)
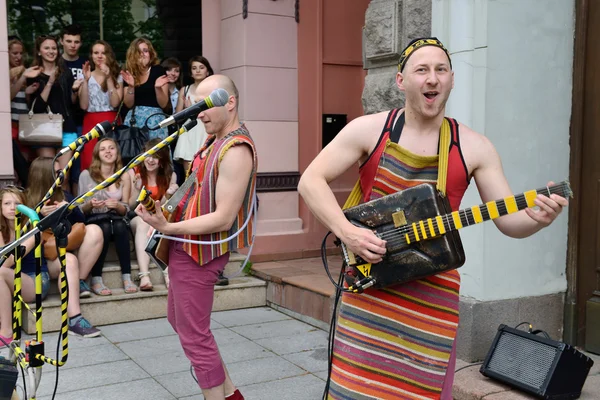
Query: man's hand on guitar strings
(549, 208)
(156, 220)
(364, 243)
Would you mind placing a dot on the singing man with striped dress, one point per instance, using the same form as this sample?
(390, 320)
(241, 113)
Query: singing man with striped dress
(398, 342)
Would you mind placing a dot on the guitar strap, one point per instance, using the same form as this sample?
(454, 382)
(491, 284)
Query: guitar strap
(356, 194)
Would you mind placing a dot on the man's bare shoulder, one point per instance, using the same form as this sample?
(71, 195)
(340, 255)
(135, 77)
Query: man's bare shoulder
(475, 147)
(370, 123)
(361, 134)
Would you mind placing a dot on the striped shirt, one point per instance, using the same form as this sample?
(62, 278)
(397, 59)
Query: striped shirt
(18, 105)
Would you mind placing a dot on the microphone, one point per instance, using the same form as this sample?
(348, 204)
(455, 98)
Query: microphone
(217, 98)
(99, 130)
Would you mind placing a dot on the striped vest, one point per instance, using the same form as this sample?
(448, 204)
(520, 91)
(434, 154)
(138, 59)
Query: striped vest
(18, 106)
(201, 198)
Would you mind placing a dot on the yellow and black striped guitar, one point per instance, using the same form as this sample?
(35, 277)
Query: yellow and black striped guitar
(421, 231)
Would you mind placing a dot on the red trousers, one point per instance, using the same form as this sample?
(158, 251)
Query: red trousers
(191, 292)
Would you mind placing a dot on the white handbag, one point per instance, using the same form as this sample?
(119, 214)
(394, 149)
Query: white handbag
(40, 129)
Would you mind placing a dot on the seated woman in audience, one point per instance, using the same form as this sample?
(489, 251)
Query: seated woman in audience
(42, 178)
(108, 209)
(146, 88)
(101, 92)
(156, 174)
(10, 197)
(80, 261)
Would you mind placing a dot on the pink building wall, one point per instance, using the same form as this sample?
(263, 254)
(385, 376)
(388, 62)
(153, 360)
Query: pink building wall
(6, 162)
(289, 74)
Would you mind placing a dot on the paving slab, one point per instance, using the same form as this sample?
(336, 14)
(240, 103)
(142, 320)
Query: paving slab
(262, 370)
(273, 329)
(310, 360)
(144, 389)
(91, 376)
(296, 388)
(248, 316)
(295, 343)
(151, 347)
(82, 357)
(126, 332)
(180, 384)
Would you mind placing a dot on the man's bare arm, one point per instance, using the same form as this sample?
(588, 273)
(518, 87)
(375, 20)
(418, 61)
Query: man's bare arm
(352, 144)
(234, 175)
(492, 185)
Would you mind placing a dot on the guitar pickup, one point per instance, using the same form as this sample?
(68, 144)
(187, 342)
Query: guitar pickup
(399, 219)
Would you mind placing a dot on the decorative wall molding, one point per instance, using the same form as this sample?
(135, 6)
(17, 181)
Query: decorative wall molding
(277, 181)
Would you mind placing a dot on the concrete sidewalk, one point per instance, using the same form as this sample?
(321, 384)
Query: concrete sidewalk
(269, 356)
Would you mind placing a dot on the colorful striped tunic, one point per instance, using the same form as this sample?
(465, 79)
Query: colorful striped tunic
(395, 343)
(200, 200)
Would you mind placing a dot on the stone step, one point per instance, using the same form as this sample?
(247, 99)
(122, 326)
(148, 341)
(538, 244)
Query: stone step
(242, 292)
(111, 273)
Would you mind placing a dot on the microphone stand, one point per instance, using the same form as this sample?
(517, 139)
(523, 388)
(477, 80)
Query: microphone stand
(57, 221)
(52, 219)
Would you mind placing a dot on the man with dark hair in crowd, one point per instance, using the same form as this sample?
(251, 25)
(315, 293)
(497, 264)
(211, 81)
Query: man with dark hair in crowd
(70, 40)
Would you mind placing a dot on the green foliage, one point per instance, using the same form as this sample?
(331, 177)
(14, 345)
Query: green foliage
(247, 268)
(119, 26)
(31, 18)
(152, 28)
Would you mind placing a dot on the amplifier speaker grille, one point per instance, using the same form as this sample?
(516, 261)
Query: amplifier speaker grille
(543, 367)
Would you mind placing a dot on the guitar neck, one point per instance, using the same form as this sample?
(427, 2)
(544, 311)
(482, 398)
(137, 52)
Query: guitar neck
(439, 225)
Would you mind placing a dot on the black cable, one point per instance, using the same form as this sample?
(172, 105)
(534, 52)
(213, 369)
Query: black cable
(157, 126)
(57, 368)
(468, 366)
(332, 325)
(523, 323)
(192, 373)
(326, 264)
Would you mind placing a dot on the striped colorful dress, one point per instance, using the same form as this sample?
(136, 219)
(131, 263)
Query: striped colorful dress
(395, 343)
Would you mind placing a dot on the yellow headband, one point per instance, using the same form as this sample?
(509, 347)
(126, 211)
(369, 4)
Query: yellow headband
(417, 44)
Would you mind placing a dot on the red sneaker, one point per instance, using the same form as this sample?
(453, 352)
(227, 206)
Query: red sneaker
(5, 340)
(235, 396)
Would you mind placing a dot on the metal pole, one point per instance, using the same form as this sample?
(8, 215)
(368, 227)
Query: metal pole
(101, 20)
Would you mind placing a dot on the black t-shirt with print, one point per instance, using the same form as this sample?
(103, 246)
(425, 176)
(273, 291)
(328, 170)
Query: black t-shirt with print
(76, 68)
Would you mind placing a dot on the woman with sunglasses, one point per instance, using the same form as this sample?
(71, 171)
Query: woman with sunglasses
(57, 91)
(108, 209)
(156, 175)
(80, 261)
(147, 85)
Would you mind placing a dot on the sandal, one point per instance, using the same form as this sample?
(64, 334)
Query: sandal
(129, 287)
(100, 289)
(166, 275)
(147, 287)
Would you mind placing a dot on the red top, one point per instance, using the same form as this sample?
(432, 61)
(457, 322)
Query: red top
(458, 177)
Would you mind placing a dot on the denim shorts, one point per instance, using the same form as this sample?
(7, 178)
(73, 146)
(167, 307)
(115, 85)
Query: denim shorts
(45, 282)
